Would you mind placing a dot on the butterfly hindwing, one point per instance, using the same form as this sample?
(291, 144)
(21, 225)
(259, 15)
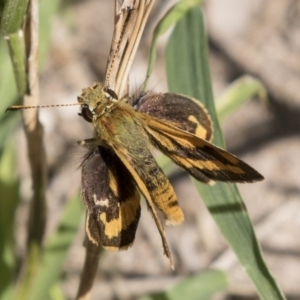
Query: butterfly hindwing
(112, 200)
(177, 110)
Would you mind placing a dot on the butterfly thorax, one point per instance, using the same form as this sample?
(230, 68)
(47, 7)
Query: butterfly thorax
(112, 119)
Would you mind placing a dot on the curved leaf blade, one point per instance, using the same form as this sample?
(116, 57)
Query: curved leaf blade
(56, 249)
(198, 287)
(238, 93)
(188, 73)
(171, 17)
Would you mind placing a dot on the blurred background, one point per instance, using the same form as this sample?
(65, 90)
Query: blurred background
(261, 38)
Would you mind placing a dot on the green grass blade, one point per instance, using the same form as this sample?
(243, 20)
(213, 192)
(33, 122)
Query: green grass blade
(16, 45)
(11, 23)
(56, 250)
(9, 187)
(238, 93)
(47, 11)
(8, 91)
(13, 16)
(170, 18)
(188, 73)
(199, 287)
(56, 293)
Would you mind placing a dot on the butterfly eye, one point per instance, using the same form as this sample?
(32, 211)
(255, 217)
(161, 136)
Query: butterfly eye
(111, 93)
(86, 113)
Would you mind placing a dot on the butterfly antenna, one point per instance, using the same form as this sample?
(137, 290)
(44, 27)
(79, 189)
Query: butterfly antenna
(21, 107)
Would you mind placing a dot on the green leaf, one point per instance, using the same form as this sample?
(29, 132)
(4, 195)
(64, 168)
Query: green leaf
(199, 287)
(171, 17)
(7, 95)
(9, 187)
(16, 45)
(238, 93)
(188, 73)
(56, 250)
(13, 16)
(47, 12)
(8, 90)
(56, 293)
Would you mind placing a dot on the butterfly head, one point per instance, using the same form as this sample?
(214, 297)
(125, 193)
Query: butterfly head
(93, 100)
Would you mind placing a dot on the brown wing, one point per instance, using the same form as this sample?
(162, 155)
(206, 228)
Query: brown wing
(180, 111)
(131, 144)
(203, 160)
(112, 200)
(155, 187)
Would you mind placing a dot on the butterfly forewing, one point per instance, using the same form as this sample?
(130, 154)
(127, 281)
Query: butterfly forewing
(203, 160)
(111, 198)
(149, 190)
